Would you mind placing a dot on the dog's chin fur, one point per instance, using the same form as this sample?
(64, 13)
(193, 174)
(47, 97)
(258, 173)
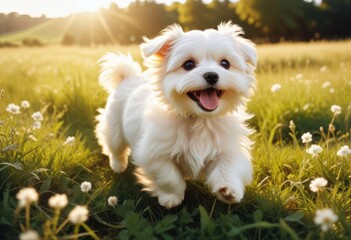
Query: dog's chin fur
(171, 135)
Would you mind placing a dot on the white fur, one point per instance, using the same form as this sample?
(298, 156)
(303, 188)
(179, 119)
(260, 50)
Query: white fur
(171, 138)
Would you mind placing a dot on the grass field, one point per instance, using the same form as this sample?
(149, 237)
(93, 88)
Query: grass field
(61, 83)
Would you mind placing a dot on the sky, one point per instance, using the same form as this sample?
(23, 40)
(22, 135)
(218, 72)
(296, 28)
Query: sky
(61, 8)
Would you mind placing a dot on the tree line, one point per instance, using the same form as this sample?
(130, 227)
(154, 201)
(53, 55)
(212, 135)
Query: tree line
(262, 20)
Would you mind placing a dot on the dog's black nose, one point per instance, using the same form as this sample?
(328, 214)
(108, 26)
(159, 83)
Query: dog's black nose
(211, 77)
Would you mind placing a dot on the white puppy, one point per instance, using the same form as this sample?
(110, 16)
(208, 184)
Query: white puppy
(184, 117)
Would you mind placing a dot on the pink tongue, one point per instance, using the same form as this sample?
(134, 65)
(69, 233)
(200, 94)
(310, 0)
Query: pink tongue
(208, 99)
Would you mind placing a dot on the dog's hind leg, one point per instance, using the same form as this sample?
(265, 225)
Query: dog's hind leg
(111, 138)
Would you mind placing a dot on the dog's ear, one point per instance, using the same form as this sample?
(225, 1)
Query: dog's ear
(160, 45)
(246, 47)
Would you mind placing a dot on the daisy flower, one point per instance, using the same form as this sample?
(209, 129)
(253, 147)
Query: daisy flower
(314, 150)
(325, 218)
(69, 141)
(13, 109)
(25, 104)
(318, 184)
(344, 151)
(36, 125)
(38, 116)
(336, 109)
(306, 137)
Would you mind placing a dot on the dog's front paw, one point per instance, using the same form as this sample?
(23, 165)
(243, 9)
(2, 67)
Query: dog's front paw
(118, 165)
(170, 200)
(229, 195)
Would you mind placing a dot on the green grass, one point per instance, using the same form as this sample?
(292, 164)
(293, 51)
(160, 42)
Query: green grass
(62, 84)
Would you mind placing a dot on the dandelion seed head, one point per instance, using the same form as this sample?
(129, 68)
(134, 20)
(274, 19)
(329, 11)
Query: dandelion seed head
(85, 186)
(58, 201)
(78, 215)
(318, 184)
(29, 235)
(314, 150)
(27, 196)
(336, 109)
(325, 218)
(112, 201)
(36, 125)
(38, 116)
(276, 87)
(13, 109)
(25, 104)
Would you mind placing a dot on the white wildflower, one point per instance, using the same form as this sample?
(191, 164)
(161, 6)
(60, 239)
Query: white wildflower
(336, 109)
(31, 137)
(69, 141)
(323, 69)
(78, 215)
(314, 150)
(27, 196)
(58, 201)
(292, 125)
(38, 116)
(318, 184)
(306, 137)
(299, 76)
(13, 108)
(276, 87)
(325, 218)
(85, 186)
(326, 84)
(25, 104)
(112, 201)
(332, 90)
(344, 151)
(36, 125)
(29, 235)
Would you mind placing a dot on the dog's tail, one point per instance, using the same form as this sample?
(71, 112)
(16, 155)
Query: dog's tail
(115, 68)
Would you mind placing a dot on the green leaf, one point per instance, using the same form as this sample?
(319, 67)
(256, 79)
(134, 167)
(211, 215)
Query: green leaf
(205, 219)
(234, 231)
(288, 229)
(165, 224)
(294, 217)
(258, 215)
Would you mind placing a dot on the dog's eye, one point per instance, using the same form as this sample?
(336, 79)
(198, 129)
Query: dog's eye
(189, 65)
(225, 64)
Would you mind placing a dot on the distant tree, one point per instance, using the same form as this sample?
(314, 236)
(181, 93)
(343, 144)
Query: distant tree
(276, 18)
(334, 19)
(194, 14)
(67, 39)
(32, 42)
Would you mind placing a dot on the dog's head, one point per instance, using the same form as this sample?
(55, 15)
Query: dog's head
(202, 73)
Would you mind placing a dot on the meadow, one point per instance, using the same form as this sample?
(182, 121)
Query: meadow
(48, 143)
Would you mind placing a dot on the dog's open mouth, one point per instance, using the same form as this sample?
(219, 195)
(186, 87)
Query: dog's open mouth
(207, 99)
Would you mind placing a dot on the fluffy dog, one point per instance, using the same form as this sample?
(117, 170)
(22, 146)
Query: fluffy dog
(184, 117)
